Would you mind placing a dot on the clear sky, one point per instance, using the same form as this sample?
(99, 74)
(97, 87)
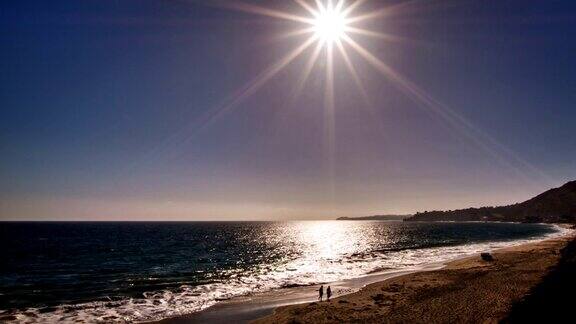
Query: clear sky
(139, 110)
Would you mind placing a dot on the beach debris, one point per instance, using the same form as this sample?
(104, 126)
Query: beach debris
(486, 256)
(378, 299)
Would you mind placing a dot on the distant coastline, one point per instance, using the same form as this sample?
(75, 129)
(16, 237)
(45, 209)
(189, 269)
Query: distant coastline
(378, 217)
(557, 205)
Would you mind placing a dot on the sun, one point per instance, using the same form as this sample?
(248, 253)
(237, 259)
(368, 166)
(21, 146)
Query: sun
(332, 31)
(330, 24)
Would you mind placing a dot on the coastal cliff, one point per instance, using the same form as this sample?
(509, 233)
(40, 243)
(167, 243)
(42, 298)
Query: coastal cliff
(557, 205)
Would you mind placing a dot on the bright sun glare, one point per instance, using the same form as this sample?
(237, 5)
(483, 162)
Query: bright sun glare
(330, 25)
(340, 22)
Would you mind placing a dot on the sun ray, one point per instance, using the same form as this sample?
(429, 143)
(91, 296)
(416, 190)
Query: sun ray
(263, 77)
(330, 24)
(456, 121)
(369, 105)
(170, 146)
(382, 36)
(330, 118)
(298, 32)
(383, 12)
(339, 5)
(255, 9)
(306, 6)
(348, 10)
(354, 74)
(307, 69)
(320, 5)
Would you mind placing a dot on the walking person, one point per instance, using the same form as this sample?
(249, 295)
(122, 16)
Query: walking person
(328, 293)
(321, 292)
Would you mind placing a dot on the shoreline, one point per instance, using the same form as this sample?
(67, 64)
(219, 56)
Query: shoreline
(245, 309)
(465, 290)
(259, 306)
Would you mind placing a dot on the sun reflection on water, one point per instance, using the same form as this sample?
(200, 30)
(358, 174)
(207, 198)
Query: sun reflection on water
(330, 240)
(324, 249)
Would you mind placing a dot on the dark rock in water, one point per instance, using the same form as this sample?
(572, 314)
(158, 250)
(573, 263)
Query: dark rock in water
(486, 256)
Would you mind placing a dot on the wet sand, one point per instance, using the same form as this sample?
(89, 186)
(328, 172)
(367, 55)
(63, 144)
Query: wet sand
(248, 308)
(464, 290)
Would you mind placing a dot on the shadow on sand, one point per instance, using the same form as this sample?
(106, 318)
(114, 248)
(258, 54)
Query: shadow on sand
(552, 300)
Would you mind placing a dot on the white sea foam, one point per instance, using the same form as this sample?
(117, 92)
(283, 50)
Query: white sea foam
(307, 270)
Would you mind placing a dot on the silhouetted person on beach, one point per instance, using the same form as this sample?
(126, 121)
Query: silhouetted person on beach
(328, 293)
(321, 292)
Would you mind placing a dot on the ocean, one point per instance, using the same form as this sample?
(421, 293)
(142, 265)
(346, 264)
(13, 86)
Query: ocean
(139, 271)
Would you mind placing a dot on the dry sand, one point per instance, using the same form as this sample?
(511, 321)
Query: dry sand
(468, 290)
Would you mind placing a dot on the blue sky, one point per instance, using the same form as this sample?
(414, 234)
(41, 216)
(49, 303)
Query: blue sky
(103, 111)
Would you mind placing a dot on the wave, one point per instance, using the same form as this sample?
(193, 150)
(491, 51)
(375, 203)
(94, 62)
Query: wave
(305, 271)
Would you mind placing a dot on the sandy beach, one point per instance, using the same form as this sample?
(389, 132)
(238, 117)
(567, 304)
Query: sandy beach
(465, 290)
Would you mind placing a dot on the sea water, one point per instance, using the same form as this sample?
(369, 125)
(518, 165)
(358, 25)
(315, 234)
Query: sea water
(139, 271)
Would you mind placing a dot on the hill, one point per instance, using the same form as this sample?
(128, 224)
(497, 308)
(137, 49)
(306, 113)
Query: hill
(376, 217)
(556, 205)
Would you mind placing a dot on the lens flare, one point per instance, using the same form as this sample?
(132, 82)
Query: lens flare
(334, 26)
